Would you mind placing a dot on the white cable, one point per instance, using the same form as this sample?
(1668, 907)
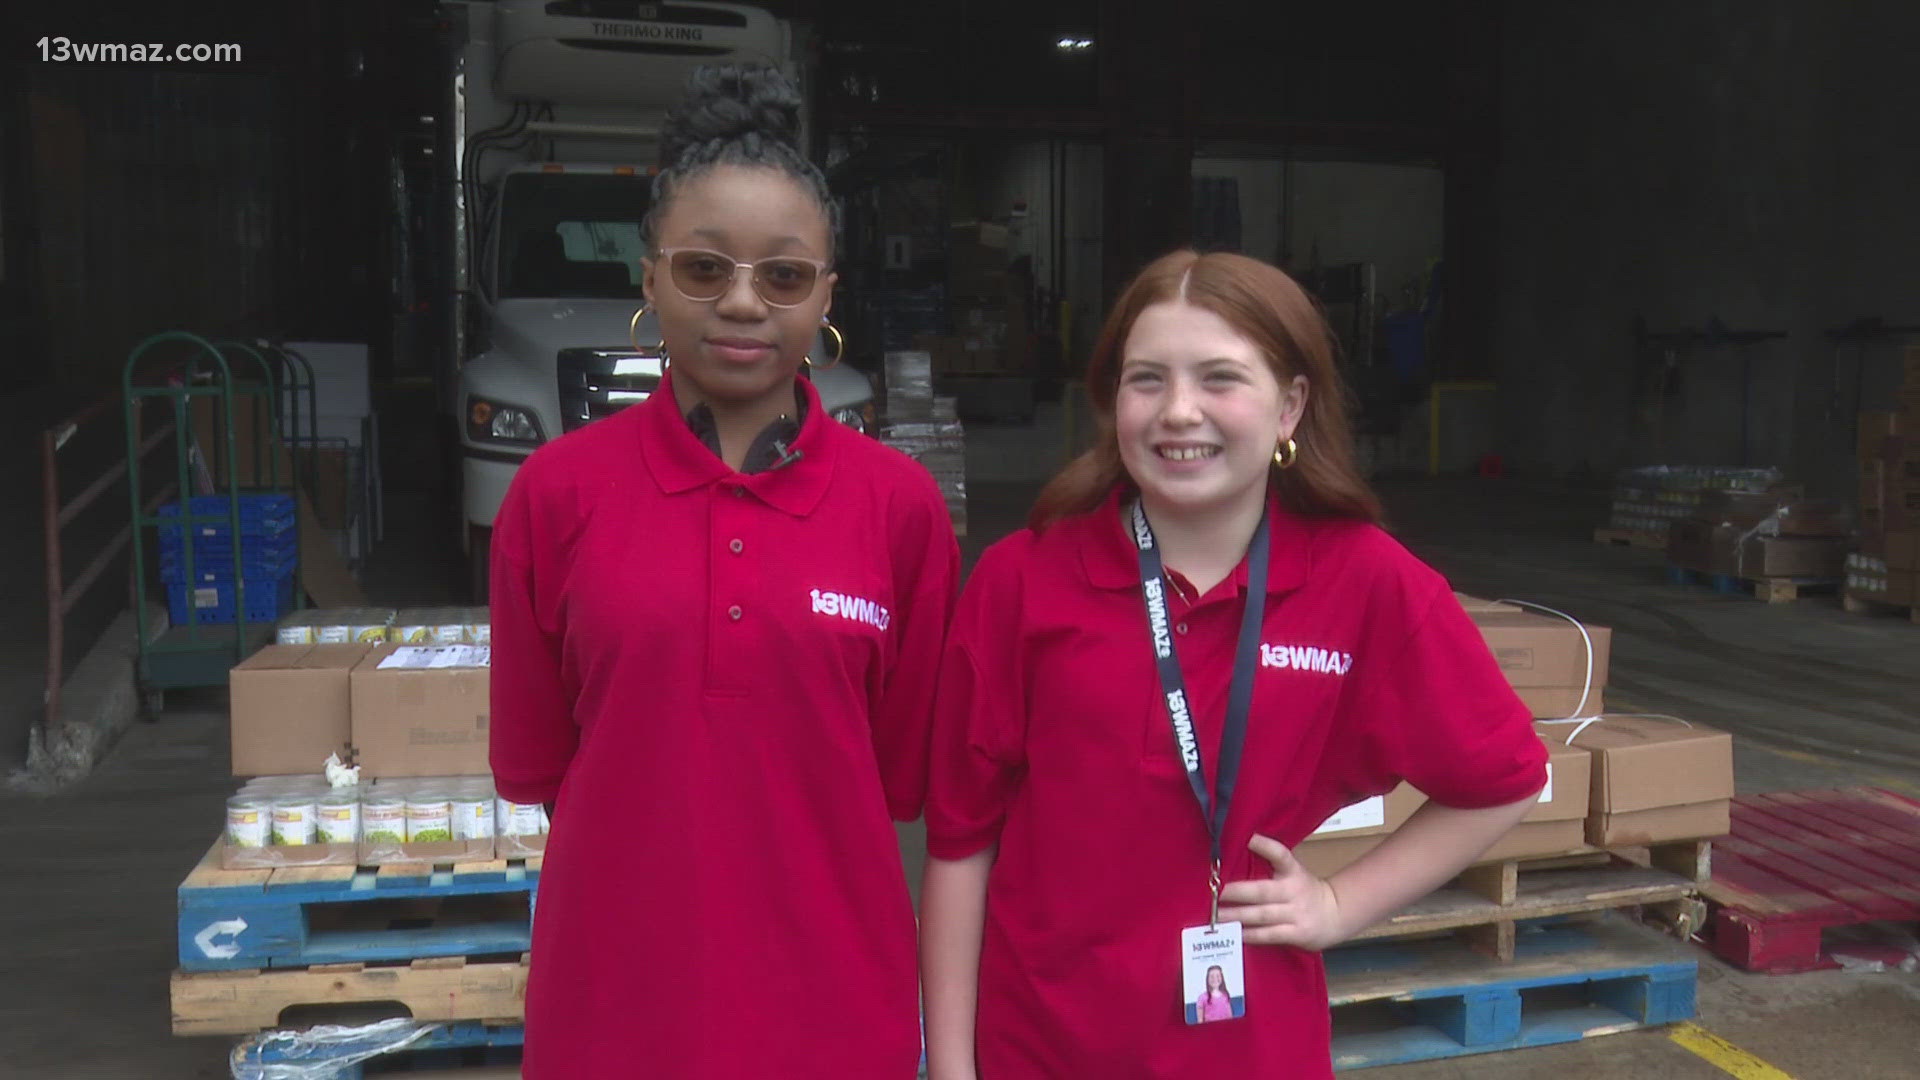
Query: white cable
(1586, 690)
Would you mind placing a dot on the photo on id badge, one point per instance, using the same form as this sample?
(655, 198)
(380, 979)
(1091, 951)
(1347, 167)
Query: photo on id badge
(1215, 981)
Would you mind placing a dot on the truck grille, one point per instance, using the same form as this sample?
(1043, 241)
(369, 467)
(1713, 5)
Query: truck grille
(596, 383)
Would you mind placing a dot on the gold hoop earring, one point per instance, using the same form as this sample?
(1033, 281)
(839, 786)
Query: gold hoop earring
(633, 335)
(839, 346)
(1286, 454)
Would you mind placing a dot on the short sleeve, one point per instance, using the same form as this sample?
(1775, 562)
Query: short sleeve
(1441, 716)
(979, 720)
(532, 734)
(927, 561)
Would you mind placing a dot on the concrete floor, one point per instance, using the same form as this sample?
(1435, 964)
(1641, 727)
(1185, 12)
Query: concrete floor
(1815, 697)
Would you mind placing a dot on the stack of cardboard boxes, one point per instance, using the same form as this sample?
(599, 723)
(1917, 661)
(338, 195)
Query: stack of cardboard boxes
(1557, 666)
(1752, 535)
(1612, 781)
(412, 718)
(1621, 782)
(1886, 567)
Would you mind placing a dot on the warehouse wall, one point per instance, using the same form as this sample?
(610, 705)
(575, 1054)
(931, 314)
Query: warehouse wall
(1751, 161)
(1345, 211)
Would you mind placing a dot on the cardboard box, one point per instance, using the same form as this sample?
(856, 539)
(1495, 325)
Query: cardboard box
(1555, 702)
(1471, 604)
(1543, 650)
(1328, 856)
(1790, 556)
(1656, 780)
(1873, 484)
(291, 707)
(1545, 658)
(1377, 816)
(1355, 830)
(1901, 549)
(1874, 427)
(1557, 824)
(1873, 581)
(1774, 514)
(1706, 547)
(419, 721)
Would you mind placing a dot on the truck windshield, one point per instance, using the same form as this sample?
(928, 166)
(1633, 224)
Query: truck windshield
(572, 235)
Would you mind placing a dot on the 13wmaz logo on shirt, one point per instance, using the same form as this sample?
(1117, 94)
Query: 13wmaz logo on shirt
(1305, 658)
(857, 608)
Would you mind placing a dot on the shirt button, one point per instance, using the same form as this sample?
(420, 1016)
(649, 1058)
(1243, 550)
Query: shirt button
(739, 492)
(736, 547)
(734, 613)
(1181, 627)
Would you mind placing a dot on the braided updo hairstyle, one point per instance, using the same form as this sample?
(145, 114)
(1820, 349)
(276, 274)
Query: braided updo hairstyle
(735, 114)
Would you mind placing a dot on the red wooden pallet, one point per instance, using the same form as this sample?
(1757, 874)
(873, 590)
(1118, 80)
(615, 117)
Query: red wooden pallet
(1800, 862)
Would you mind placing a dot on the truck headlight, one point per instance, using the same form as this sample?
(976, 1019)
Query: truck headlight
(493, 421)
(858, 417)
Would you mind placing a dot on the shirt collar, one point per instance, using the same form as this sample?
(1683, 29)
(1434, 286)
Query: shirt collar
(1111, 560)
(679, 461)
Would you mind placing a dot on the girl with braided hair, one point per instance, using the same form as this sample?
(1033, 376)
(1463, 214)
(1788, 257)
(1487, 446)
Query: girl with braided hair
(717, 617)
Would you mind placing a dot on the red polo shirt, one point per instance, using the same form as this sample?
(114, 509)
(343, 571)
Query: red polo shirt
(1052, 737)
(726, 682)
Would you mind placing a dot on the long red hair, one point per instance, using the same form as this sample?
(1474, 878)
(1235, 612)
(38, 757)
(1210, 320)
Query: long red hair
(1266, 307)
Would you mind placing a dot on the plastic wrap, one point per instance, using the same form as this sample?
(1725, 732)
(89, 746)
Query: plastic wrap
(909, 381)
(322, 1053)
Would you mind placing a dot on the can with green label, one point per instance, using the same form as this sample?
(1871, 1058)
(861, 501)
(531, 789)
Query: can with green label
(338, 817)
(383, 819)
(429, 817)
(249, 819)
(293, 821)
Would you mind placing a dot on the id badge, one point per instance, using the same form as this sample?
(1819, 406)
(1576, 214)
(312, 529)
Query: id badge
(1213, 973)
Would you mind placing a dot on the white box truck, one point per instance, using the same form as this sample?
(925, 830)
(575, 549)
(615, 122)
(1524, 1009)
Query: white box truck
(557, 108)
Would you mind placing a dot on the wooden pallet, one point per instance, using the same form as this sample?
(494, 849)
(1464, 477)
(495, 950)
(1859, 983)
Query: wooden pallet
(1487, 905)
(1396, 1002)
(442, 988)
(1630, 538)
(1859, 605)
(1800, 863)
(231, 920)
(1768, 590)
(441, 1052)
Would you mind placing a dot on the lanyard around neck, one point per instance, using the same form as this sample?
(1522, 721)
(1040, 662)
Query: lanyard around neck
(1173, 684)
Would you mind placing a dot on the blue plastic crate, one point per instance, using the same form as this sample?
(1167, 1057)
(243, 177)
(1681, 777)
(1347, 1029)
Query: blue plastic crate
(213, 602)
(251, 507)
(254, 565)
(261, 517)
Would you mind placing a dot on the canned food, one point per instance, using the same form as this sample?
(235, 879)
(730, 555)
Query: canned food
(429, 818)
(473, 815)
(303, 634)
(519, 819)
(339, 818)
(293, 822)
(248, 821)
(383, 819)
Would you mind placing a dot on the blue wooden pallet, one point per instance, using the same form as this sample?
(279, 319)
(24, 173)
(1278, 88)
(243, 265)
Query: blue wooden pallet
(1397, 1002)
(232, 920)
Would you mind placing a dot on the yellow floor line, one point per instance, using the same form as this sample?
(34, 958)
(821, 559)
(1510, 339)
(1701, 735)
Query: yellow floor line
(1722, 1054)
